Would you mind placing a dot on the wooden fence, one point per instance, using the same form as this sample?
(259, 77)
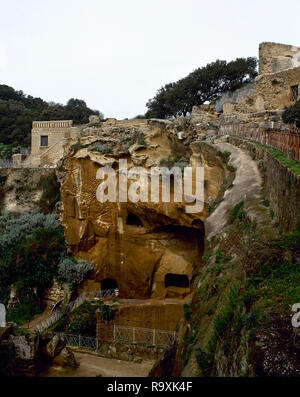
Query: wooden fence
(281, 137)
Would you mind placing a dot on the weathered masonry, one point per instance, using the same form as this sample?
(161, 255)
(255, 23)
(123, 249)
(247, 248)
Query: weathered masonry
(48, 139)
(276, 86)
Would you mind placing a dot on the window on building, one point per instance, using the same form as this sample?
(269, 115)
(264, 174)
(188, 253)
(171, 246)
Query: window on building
(44, 140)
(295, 93)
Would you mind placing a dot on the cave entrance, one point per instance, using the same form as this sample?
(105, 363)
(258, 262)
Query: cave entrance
(133, 220)
(177, 280)
(108, 283)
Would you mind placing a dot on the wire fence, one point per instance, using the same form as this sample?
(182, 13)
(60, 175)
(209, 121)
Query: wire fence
(80, 341)
(60, 312)
(135, 335)
(121, 334)
(7, 163)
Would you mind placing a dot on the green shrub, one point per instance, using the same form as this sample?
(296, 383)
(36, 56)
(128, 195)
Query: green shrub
(83, 320)
(206, 257)
(203, 361)
(76, 147)
(23, 313)
(14, 226)
(99, 147)
(223, 319)
(50, 193)
(292, 114)
(187, 311)
(251, 319)
(31, 245)
(237, 214)
(73, 272)
(107, 313)
(227, 154)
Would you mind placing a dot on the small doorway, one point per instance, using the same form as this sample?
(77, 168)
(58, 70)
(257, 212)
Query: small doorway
(177, 280)
(108, 283)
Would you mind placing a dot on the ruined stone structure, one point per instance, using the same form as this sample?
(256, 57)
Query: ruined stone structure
(255, 111)
(274, 57)
(276, 86)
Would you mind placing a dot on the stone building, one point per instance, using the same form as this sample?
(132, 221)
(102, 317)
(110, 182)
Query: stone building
(48, 139)
(276, 86)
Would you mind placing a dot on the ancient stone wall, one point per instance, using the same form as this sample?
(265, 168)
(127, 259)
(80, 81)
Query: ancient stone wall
(163, 315)
(274, 91)
(276, 86)
(275, 57)
(281, 185)
(233, 96)
(130, 352)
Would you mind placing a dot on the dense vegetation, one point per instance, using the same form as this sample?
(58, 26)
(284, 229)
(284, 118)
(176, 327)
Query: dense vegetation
(17, 111)
(236, 297)
(82, 321)
(203, 84)
(32, 252)
(50, 193)
(292, 114)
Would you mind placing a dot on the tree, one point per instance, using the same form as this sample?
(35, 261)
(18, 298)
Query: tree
(203, 84)
(72, 103)
(17, 111)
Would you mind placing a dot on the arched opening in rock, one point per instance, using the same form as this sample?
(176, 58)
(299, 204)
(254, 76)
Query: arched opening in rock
(108, 283)
(177, 280)
(133, 220)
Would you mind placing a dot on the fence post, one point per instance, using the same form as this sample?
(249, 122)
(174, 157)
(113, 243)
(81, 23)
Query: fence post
(114, 332)
(133, 335)
(79, 340)
(154, 337)
(174, 336)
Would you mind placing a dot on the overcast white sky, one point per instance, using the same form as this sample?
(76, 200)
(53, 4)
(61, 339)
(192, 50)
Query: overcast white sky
(115, 54)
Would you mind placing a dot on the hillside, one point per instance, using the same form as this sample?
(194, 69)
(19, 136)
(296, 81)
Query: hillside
(18, 110)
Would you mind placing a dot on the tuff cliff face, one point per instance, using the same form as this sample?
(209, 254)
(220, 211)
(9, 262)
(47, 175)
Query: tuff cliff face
(148, 250)
(225, 258)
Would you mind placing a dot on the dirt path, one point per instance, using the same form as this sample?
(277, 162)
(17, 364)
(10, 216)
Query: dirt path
(93, 366)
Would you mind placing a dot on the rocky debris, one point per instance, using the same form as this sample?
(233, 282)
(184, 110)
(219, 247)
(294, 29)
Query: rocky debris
(22, 188)
(131, 352)
(65, 359)
(26, 349)
(276, 351)
(56, 292)
(54, 347)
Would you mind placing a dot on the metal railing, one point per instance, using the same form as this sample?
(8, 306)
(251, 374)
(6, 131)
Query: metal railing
(60, 312)
(25, 150)
(139, 336)
(4, 163)
(136, 335)
(80, 341)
